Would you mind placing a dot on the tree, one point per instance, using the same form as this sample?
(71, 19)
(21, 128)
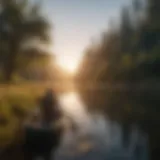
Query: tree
(126, 31)
(34, 64)
(20, 23)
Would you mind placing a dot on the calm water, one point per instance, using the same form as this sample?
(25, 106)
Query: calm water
(96, 137)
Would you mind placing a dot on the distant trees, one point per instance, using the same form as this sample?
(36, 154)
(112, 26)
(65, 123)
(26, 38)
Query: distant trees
(21, 24)
(129, 52)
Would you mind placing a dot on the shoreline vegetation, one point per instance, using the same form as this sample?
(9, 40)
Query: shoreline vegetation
(25, 96)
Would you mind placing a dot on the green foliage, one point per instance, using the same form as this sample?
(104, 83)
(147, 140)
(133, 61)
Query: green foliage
(11, 96)
(21, 22)
(126, 52)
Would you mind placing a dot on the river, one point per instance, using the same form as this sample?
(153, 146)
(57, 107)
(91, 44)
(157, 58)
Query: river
(96, 137)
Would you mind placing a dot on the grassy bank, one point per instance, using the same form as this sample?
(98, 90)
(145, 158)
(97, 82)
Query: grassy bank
(26, 97)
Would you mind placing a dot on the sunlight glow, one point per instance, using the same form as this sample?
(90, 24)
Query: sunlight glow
(68, 63)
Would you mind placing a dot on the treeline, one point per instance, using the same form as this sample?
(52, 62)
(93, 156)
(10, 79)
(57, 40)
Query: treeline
(24, 35)
(120, 73)
(129, 51)
(125, 63)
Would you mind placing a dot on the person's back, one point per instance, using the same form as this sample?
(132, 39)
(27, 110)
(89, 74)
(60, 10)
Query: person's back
(49, 108)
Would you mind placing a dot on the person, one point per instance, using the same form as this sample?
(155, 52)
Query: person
(50, 111)
(43, 141)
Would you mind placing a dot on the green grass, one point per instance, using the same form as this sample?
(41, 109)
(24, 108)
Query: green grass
(23, 95)
(26, 97)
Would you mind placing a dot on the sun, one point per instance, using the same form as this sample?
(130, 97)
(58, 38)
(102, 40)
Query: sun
(68, 63)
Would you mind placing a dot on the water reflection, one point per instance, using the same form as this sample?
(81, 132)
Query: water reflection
(97, 138)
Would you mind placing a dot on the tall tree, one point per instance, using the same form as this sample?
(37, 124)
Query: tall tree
(20, 22)
(126, 31)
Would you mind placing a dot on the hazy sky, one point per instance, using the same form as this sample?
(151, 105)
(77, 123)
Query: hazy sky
(76, 22)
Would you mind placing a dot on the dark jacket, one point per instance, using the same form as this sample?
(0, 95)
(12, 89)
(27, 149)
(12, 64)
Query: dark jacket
(49, 108)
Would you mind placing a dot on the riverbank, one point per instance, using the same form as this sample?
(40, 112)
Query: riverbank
(26, 97)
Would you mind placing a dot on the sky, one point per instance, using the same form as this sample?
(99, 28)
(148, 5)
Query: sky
(75, 23)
